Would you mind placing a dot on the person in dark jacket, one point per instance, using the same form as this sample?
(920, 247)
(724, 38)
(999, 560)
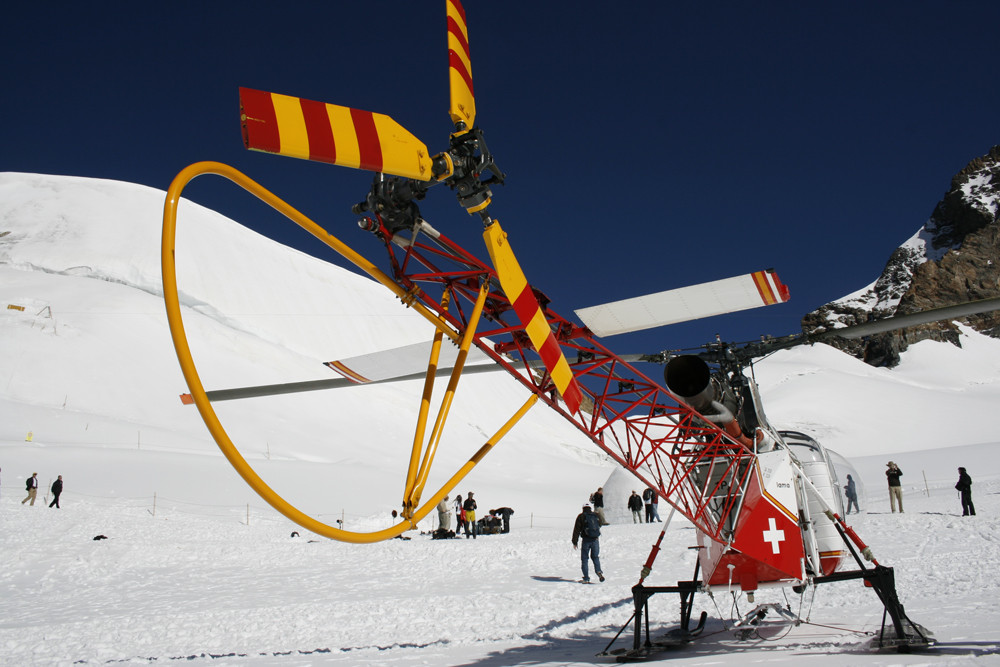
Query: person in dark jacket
(895, 490)
(56, 492)
(587, 530)
(504, 513)
(964, 487)
(597, 500)
(635, 504)
(32, 487)
(851, 492)
(647, 499)
(470, 517)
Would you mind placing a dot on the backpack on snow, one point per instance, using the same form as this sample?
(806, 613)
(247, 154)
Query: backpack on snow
(27, 484)
(591, 526)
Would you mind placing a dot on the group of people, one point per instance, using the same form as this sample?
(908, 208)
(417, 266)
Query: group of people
(963, 486)
(496, 521)
(650, 501)
(31, 485)
(587, 528)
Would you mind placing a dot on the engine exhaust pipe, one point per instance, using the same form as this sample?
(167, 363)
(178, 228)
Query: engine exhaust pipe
(689, 378)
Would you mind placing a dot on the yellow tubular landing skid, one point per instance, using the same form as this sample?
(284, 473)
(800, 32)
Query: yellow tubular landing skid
(204, 406)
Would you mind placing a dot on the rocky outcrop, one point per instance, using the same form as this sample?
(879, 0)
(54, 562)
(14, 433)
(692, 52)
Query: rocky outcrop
(953, 258)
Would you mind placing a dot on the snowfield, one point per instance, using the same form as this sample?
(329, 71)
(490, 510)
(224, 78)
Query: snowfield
(197, 584)
(196, 569)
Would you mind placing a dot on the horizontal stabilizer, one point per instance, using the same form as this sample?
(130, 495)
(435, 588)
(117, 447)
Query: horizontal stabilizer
(400, 361)
(333, 134)
(761, 288)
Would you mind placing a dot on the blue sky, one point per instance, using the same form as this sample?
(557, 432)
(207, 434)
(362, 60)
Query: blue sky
(647, 145)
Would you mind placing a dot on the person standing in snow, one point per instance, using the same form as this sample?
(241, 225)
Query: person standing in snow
(470, 517)
(635, 504)
(444, 515)
(656, 508)
(588, 529)
(597, 499)
(32, 486)
(895, 490)
(459, 515)
(647, 499)
(56, 492)
(964, 487)
(851, 492)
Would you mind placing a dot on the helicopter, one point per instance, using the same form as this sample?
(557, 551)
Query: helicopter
(763, 501)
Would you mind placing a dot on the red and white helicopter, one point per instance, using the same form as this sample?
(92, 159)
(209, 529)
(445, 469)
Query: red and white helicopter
(765, 503)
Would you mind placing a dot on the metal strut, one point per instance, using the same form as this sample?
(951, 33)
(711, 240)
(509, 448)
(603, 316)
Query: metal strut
(882, 579)
(640, 620)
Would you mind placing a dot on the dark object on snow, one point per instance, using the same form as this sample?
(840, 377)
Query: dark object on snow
(295, 533)
(964, 487)
(441, 534)
(100, 537)
(504, 513)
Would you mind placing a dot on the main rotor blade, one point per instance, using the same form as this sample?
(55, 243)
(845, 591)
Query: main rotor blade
(521, 297)
(401, 362)
(382, 371)
(912, 319)
(310, 130)
(330, 383)
(463, 99)
(761, 288)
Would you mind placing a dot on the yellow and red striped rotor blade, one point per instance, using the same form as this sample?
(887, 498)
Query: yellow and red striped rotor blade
(463, 99)
(310, 130)
(519, 293)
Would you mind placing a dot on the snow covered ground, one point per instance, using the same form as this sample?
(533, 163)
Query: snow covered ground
(196, 568)
(198, 584)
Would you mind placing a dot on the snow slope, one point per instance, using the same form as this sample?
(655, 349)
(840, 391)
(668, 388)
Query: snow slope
(197, 568)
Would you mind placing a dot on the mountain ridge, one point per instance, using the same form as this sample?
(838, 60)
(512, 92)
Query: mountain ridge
(953, 258)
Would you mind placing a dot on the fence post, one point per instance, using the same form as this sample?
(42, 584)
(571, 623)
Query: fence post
(927, 489)
(154, 503)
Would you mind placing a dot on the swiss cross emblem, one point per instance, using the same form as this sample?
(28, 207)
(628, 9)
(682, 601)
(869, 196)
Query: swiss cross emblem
(774, 536)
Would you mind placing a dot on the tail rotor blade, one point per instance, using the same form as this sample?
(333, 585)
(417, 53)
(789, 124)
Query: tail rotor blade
(329, 133)
(463, 100)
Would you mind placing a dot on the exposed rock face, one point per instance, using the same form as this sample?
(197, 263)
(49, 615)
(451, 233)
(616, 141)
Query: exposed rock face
(953, 258)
